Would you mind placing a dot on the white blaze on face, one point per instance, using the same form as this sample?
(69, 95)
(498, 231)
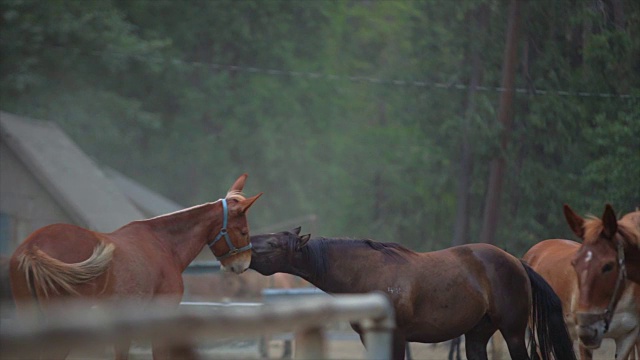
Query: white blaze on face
(585, 271)
(584, 274)
(589, 256)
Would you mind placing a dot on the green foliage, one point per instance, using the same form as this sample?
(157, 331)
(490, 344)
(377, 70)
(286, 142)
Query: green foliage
(186, 95)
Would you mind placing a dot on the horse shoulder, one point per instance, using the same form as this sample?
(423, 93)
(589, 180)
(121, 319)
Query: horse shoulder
(626, 317)
(141, 267)
(630, 298)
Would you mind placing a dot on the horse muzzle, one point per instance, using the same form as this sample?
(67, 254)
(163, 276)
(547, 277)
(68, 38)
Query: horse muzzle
(591, 328)
(238, 263)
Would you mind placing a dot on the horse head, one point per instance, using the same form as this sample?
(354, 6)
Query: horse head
(600, 269)
(231, 244)
(272, 253)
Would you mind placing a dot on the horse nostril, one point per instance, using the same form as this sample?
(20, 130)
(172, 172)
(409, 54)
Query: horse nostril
(238, 268)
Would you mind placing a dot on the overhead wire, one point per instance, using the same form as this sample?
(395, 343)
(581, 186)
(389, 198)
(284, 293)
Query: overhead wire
(368, 79)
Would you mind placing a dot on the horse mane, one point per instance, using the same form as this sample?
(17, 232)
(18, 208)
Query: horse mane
(52, 274)
(315, 252)
(593, 227)
(394, 251)
(235, 195)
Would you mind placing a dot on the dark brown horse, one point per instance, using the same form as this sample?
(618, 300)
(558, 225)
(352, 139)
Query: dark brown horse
(552, 259)
(141, 261)
(473, 290)
(610, 253)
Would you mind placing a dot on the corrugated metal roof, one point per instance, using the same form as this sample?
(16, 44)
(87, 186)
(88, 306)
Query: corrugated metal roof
(72, 178)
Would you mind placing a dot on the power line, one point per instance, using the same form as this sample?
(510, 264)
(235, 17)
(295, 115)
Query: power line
(363, 79)
(379, 81)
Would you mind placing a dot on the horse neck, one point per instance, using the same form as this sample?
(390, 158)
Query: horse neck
(343, 267)
(629, 228)
(184, 233)
(632, 263)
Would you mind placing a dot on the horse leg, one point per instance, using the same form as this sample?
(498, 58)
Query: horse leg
(179, 351)
(585, 354)
(121, 349)
(514, 334)
(398, 343)
(476, 339)
(517, 345)
(454, 348)
(407, 351)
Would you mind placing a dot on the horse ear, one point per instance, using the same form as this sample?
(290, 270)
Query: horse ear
(574, 220)
(609, 222)
(296, 230)
(246, 203)
(302, 241)
(239, 184)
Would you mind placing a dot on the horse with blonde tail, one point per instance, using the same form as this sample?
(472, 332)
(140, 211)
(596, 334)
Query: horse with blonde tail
(142, 261)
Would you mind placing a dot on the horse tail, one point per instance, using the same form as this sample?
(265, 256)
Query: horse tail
(52, 274)
(547, 320)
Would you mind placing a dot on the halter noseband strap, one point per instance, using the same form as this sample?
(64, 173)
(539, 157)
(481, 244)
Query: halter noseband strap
(223, 232)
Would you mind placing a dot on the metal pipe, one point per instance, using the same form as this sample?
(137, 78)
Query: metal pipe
(77, 324)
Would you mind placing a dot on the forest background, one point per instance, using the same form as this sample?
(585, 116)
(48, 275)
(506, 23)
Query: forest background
(370, 119)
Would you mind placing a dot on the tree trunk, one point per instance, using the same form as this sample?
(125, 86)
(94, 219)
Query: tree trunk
(465, 170)
(505, 115)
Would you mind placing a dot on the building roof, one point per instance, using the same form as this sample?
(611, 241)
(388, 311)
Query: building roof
(149, 202)
(70, 176)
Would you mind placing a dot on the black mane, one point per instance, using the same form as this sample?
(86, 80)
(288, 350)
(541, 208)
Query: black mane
(315, 252)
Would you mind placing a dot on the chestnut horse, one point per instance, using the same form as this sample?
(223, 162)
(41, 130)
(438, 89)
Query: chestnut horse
(473, 290)
(610, 253)
(552, 259)
(142, 261)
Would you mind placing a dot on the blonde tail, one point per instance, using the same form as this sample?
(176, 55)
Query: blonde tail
(52, 274)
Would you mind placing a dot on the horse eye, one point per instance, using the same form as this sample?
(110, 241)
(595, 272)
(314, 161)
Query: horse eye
(273, 245)
(607, 267)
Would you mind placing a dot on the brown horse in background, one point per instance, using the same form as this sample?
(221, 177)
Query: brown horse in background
(552, 259)
(474, 289)
(142, 261)
(609, 254)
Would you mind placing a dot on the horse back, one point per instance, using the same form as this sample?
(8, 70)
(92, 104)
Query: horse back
(486, 267)
(65, 242)
(633, 219)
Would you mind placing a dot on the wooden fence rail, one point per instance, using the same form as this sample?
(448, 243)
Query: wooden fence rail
(81, 326)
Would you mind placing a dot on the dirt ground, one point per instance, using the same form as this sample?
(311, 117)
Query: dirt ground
(345, 347)
(353, 350)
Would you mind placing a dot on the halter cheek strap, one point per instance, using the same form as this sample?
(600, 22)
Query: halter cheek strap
(622, 275)
(223, 233)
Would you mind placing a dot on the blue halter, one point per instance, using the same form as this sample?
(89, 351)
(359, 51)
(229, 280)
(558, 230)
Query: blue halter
(223, 232)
